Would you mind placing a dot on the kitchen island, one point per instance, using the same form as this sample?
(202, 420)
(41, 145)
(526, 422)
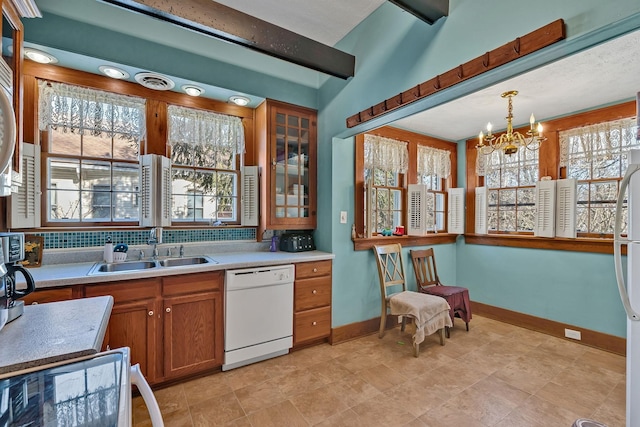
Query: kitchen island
(52, 332)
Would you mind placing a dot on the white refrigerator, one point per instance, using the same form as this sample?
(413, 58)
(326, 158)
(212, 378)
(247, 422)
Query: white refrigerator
(630, 290)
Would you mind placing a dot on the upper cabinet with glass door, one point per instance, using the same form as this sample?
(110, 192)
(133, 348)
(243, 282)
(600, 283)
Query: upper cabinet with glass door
(287, 154)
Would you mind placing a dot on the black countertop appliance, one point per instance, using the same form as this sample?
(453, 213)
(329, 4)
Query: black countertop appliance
(297, 242)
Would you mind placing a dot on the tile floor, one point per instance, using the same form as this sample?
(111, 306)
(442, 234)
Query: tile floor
(494, 375)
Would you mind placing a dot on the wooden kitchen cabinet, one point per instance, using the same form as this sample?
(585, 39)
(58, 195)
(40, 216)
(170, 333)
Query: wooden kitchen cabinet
(312, 302)
(192, 322)
(173, 325)
(134, 320)
(286, 138)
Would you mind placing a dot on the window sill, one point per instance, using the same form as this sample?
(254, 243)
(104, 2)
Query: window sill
(580, 244)
(363, 244)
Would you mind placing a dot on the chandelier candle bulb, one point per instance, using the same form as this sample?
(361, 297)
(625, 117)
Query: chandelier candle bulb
(532, 120)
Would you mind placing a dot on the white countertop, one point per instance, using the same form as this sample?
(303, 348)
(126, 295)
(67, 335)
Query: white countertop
(48, 333)
(77, 273)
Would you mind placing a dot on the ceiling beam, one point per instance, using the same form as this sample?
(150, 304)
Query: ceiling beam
(224, 23)
(427, 10)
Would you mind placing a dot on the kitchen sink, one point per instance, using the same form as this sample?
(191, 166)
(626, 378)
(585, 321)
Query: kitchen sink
(181, 262)
(102, 267)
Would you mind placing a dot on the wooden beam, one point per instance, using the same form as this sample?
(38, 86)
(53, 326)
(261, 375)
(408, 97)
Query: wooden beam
(224, 23)
(535, 40)
(428, 11)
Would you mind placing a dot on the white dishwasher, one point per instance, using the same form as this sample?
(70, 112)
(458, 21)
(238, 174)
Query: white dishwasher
(258, 322)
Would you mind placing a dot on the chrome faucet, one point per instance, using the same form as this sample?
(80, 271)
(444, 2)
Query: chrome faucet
(155, 251)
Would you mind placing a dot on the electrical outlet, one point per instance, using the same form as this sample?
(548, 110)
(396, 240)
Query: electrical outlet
(343, 217)
(575, 335)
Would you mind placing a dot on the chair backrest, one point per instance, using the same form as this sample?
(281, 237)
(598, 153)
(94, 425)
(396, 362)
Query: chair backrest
(424, 265)
(390, 267)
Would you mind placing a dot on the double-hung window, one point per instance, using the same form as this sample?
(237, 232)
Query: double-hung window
(206, 159)
(92, 141)
(510, 183)
(386, 161)
(597, 157)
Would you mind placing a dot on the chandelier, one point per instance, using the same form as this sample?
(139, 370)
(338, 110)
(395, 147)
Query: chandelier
(510, 141)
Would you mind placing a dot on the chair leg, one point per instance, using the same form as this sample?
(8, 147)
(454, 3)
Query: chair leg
(447, 332)
(442, 336)
(403, 323)
(416, 350)
(383, 321)
(467, 323)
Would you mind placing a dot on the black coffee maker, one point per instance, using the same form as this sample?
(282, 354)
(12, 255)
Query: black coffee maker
(11, 252)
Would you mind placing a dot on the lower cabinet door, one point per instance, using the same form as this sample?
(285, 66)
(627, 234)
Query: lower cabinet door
(310, 325)
(192, 333)
(134, 325)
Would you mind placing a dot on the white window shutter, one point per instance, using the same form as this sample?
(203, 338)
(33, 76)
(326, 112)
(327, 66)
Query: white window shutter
(566, 193)
(455, 216)
(417, 203)
(26, 202)
(155, 191)
(481, 210)
(250, 189)
(544, 224)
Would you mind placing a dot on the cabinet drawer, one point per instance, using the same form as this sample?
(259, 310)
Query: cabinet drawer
(312, 293)
(48, 295)
(190, 283)
(311, 325)
(313, 269)
(130, 290)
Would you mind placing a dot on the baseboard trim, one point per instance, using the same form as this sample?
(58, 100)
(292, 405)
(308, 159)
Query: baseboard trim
(599, 340)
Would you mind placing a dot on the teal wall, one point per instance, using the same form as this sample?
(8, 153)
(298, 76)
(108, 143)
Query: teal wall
(394, 52)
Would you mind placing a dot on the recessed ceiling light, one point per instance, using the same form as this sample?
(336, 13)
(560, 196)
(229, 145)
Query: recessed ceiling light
(240, 100)
(113, 72)
(39, 56)
(193, 90)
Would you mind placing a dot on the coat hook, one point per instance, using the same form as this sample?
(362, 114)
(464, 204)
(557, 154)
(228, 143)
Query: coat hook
(436, 86)
(485, 60)
(516, 45)
(384, 105)
(359, 118)
(460, 71)
(371, 113)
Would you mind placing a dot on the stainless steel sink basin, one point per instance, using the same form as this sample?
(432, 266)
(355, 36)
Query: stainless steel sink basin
(102, 267)
(181, 262)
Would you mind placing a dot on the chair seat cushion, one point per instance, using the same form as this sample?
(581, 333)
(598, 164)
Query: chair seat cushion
(443, 290)
(430, 312)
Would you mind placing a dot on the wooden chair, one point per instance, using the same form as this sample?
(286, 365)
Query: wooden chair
(424, 265)
(429, 313)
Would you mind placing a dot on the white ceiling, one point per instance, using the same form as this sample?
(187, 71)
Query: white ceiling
(326, 21)
(605, 74)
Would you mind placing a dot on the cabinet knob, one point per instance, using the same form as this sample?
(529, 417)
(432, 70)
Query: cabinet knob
(168, 309)
(34, 303)
(314, 323)
(150, 312)
(314, 292)
(315, 270)
(108, 347)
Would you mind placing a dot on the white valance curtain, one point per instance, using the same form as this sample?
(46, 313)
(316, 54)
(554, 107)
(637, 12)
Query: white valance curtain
(433, 161)
(199, 127)
(77, 109)
(386, 154)
(602, 140)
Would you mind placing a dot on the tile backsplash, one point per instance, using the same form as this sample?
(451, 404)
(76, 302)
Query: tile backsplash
(88, 239)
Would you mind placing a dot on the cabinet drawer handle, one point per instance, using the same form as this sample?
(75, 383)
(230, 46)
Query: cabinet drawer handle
(150, 312)
(314, 323)
(168, 309)
(315, 270)
(314, 292)
(34, 303)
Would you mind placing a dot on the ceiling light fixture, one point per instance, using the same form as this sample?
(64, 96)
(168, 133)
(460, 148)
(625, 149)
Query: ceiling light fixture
(113, 72)
(240, 100)
(192, 90)
(510, 141)
(39, 56)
